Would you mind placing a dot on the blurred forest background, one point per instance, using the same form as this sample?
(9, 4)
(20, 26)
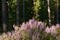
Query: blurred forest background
(18, 11)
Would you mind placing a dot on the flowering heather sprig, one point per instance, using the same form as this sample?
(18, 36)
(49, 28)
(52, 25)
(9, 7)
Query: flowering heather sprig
(57, 25)
(53, 30)
(47, 30)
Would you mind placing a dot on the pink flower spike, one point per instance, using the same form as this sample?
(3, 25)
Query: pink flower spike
(53, 29)
(57, 26)
(47, 30)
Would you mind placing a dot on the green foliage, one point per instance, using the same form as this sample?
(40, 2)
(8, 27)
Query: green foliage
(53, 11)
(11, 13)
(37, 6)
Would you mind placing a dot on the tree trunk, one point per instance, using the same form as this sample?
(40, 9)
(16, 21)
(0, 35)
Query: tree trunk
(17, 13)
(48, 1)
(4, 15)
(23, 10)
(0, 16)
(57, 10)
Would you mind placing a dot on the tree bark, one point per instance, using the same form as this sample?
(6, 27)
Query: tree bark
(48, 1)
(4, 14)
(23, 10)
(57, 10)
(17, 13)
(1, 16)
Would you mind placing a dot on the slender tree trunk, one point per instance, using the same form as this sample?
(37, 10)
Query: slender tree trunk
(49, 12)
(57, 10)
(0, 15)
(17, 13)
(23, 10)
(4, 14)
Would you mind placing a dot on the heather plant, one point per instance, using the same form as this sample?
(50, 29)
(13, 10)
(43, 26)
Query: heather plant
(32, 30)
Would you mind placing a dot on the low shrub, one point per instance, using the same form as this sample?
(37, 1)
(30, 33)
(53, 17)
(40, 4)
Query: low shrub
(33, 30)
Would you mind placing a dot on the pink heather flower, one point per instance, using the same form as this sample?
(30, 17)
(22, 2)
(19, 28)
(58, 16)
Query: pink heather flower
(23, 24)
(42, 27)
(34, 25)
(17, 35)
(57, 26)
(27, 25)
(31, 21)
(40, 23)
(53, 29)
(24, 27)
(47, 30)
(9, 33)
